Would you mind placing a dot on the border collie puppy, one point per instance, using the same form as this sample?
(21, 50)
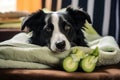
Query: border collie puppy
(57, 30)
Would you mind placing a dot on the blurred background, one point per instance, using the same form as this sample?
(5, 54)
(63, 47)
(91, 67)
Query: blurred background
(105, 14)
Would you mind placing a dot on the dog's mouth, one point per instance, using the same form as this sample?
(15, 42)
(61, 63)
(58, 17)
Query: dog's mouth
(58, 50)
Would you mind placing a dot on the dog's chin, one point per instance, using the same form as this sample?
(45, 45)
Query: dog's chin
(58, 50)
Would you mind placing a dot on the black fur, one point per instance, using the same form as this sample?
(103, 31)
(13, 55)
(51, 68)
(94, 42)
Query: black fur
(75, 19)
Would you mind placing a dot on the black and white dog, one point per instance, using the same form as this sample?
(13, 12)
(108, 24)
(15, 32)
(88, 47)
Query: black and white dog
(57, 30)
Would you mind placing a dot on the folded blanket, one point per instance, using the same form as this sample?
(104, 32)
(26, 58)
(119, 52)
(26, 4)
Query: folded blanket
(24, 55)
(19, 64)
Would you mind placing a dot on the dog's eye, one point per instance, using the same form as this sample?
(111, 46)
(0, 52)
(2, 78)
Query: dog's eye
(48, 29)
(67, 27)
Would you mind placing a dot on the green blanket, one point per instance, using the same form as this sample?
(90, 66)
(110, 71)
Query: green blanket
(23, 55)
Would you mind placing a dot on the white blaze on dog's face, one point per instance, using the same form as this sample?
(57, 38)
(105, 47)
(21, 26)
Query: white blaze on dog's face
(58, 41)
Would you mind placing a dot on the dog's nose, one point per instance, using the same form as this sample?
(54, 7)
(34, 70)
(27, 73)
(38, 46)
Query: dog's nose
(60, 44)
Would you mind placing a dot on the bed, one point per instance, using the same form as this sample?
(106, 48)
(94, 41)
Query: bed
(111, 72)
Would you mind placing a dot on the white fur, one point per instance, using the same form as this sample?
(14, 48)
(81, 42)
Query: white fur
(57, 36)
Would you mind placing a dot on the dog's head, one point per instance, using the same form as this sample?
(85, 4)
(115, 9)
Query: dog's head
(58, 30)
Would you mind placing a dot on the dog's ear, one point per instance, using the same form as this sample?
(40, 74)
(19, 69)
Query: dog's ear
(78, 15)
(33, 20)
